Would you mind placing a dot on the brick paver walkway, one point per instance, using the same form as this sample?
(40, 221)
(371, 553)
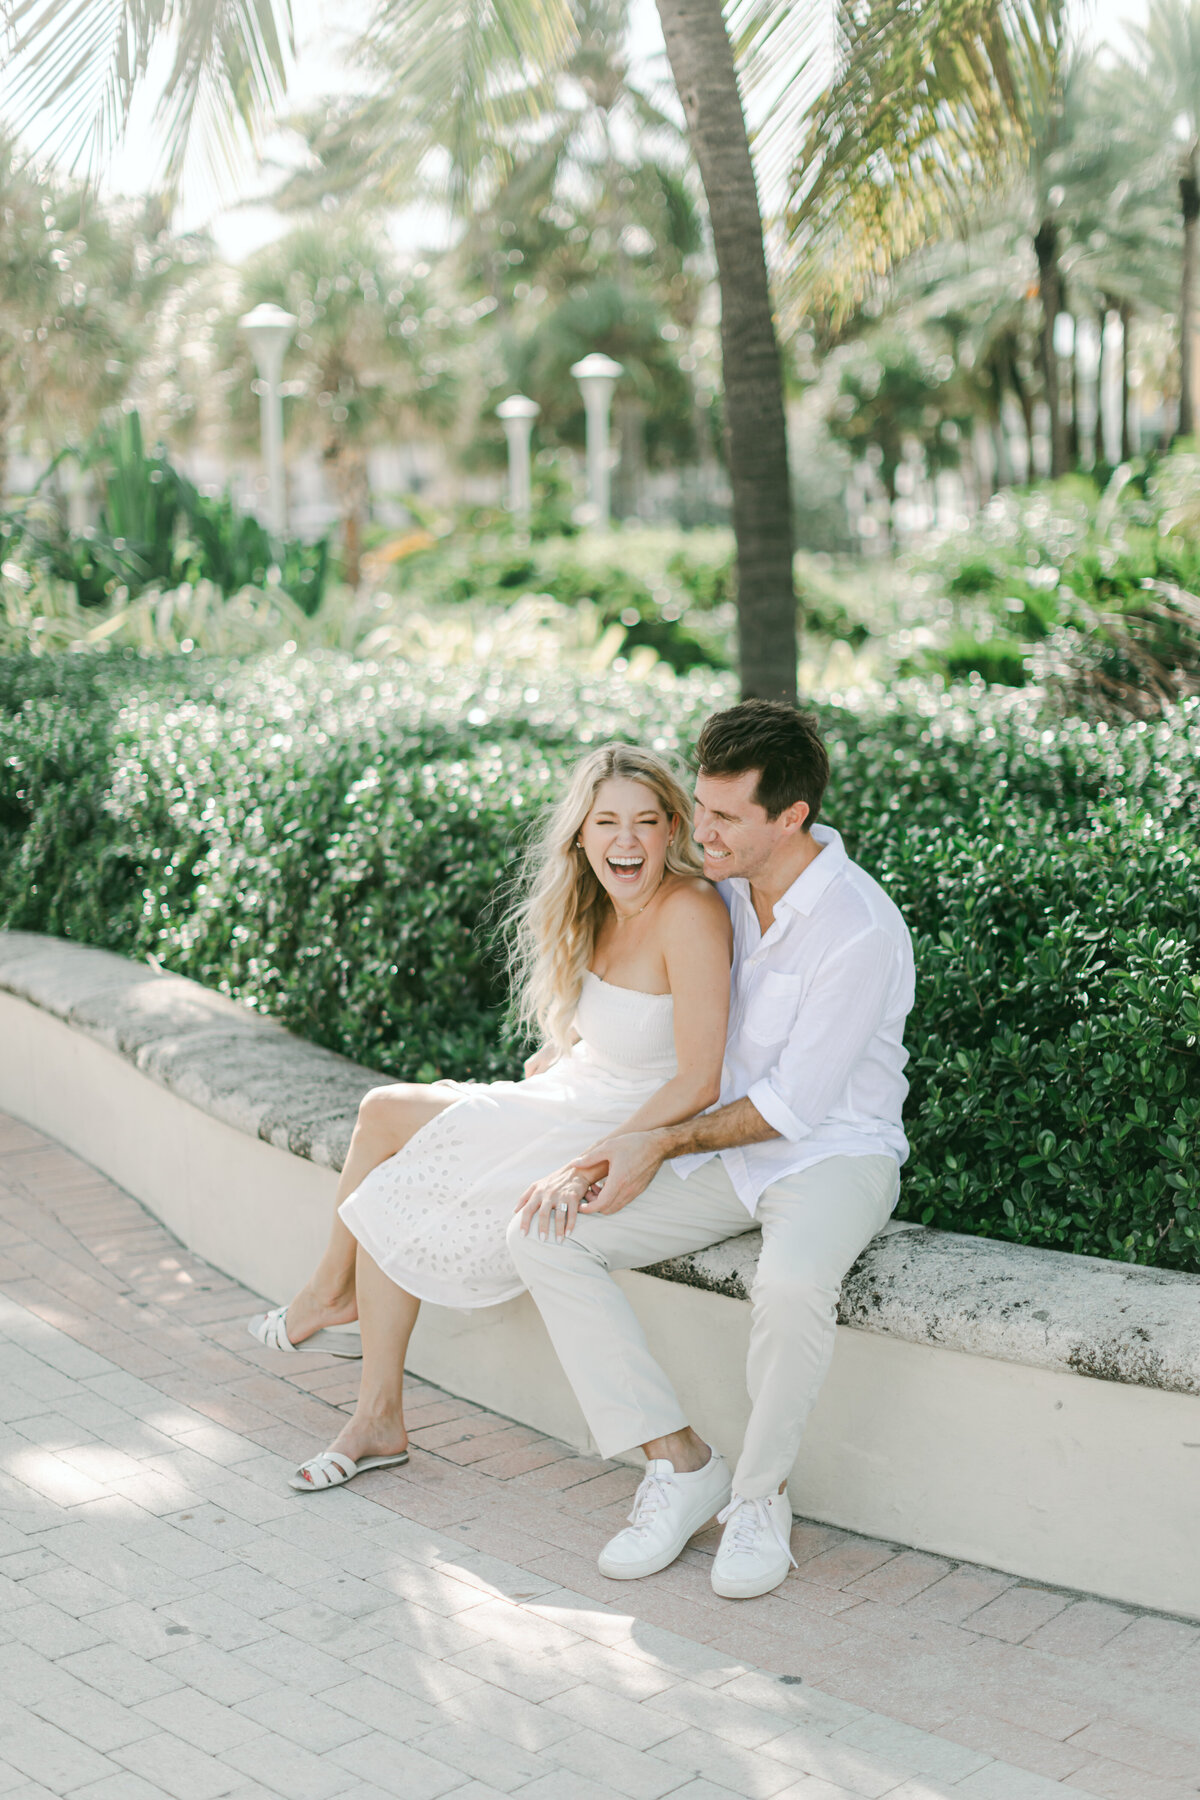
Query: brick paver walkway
(174, 1620)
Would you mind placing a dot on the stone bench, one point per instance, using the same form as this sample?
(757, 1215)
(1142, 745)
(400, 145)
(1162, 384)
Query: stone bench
(1019, 1407)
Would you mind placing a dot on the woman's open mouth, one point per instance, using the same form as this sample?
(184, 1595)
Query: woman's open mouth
(626, 869)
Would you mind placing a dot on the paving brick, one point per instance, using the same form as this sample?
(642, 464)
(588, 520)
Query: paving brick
(535, 1675)
(1018, 1744)
(141, 1630)
(902, 1578)
(44, 1753)
(72, 1590)
(223, 1677)
(91, 1716)
(381, 1706)
(509, 1716)
(721, 1714)
(626, 1721)
(843, 1765)
(1118, 1781)
(397, 1768)
(124, 1785)
(287, 1768)
(961, 1593)
(121, 1675)
(1017, 1613)
(49, 1629)
(616, 1767)
(200, 1721)
(910, 1751)
(294, 1664)
(302, 1718)
(733, 1766)
(333, 1631)
(484, 1755)
(1003, 1781)
(1149, 1752)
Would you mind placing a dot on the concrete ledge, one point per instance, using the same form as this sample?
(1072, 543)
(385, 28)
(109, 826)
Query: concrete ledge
(1024, 1408)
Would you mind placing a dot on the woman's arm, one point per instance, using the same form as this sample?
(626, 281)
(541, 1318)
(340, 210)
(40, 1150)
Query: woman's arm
(697, 944)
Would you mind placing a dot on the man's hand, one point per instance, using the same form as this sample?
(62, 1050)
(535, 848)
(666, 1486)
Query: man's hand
(553, 1202)
(619, 1169)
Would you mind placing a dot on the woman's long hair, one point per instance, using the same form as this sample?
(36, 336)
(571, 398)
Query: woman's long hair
(552, 929)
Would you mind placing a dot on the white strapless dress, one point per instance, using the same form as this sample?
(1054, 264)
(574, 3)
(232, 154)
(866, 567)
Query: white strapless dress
(434, 1216)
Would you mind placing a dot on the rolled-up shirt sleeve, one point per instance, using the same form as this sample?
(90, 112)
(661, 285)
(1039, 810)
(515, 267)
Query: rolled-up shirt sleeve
(838, 1017)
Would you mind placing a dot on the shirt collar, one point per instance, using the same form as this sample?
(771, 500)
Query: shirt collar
(808, 887)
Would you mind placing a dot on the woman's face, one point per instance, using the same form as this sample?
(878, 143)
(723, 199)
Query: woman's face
(625, 838)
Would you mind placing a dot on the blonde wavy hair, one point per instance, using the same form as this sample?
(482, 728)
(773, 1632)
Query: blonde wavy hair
(551, 929)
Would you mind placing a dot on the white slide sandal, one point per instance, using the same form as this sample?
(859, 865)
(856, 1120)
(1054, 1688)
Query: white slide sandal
(270, 1328)
(333, 1469)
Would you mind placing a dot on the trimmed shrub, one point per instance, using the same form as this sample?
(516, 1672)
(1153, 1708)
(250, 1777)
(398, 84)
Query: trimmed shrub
(326, 840)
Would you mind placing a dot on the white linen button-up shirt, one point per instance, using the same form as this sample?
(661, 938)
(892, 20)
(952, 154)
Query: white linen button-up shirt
(817, 1009)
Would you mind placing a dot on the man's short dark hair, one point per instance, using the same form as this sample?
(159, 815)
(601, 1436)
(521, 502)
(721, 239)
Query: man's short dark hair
(782, 744)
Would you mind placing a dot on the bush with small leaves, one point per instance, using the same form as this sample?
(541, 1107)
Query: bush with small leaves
(327, 840)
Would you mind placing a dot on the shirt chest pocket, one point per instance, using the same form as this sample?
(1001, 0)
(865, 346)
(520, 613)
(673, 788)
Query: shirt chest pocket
(771, 1005)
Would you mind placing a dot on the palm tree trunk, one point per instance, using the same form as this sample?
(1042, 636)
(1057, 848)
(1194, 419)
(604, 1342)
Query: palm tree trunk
(1074, 442)
(1045, 245)
(1126, 422)
(1026, 405)
(347, 466)
(1098, 455)
(1189, 199)
(701, 59)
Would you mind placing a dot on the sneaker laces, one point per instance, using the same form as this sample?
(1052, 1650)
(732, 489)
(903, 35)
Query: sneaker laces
(654, 1492)
(750, 1519)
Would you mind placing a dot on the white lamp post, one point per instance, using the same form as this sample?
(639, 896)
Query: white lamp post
(597, 375)
(517, 414)
(270, 330)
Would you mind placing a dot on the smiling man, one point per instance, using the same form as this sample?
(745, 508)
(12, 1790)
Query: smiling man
(805, 1142)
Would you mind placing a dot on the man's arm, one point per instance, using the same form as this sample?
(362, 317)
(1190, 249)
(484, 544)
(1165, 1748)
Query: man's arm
(616, 1170)
(724, 1129)
(620, 1168)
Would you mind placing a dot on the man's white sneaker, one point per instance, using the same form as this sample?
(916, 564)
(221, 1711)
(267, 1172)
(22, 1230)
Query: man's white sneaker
(667, 1509)
(754, 1555)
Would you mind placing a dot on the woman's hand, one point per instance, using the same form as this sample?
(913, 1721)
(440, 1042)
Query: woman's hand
(553, 1202)
(620, 1168)
(540, 1061)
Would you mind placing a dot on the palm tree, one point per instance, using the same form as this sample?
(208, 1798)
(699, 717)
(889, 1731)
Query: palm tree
(483, 99)
(370, 353)
(930, 110)
(76, 287)
(1163, 89)
(702, 63)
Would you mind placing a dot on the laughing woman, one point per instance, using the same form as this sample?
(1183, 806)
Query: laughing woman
(622, 966)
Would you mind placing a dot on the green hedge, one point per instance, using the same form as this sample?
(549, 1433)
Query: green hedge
(325, 840)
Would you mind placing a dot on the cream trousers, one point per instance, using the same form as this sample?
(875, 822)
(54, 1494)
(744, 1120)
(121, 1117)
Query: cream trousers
(814, 1225)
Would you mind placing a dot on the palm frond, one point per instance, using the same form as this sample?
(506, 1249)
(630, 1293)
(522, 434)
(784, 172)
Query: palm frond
(930, 106)
(74, 69)
(464, 73)
(785, 55)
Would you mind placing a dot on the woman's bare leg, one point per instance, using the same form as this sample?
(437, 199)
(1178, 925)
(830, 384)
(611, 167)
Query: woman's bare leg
(386, 1315)
(387, 1118)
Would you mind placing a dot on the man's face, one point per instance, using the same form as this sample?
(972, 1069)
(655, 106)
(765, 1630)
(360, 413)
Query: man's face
(733, 830)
